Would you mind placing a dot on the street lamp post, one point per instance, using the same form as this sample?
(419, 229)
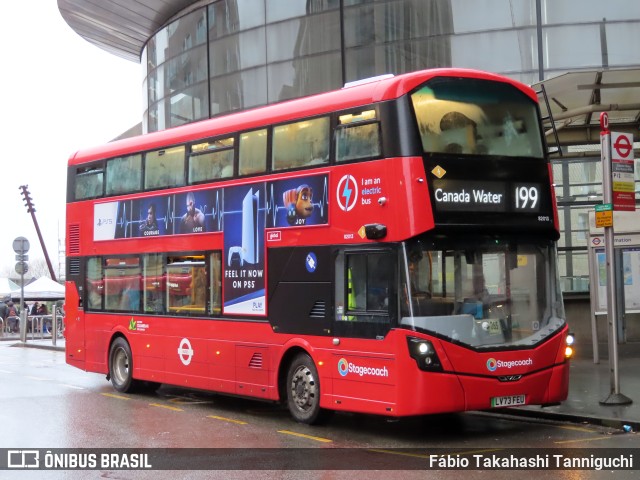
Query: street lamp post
(28, 202)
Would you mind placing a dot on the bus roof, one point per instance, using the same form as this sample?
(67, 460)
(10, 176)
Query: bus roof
(360, 94)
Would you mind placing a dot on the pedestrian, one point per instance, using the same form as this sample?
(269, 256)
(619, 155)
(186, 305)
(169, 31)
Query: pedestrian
(4, 312)
(12, 317)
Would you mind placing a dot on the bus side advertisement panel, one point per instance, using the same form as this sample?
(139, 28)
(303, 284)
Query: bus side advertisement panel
(244, 269)
(391, 192)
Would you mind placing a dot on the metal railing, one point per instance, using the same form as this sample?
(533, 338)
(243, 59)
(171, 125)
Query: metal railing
(37, 326)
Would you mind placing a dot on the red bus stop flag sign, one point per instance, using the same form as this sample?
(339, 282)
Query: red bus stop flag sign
(622, 144)
(622, 172)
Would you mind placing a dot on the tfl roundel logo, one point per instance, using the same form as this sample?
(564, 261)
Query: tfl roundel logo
(492, 364)
(343, 367)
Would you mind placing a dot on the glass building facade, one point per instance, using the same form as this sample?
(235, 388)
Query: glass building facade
(221, 56)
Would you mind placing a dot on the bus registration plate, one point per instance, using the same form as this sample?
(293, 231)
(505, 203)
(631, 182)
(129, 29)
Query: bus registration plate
(509, 401)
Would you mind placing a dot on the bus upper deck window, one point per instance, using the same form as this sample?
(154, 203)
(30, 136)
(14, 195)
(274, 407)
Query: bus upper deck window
(357, 136)
(301, 144)
(124, 174)
(211, 160)
(89, 183)
(164, 168)
(467, 116)
(253, 152)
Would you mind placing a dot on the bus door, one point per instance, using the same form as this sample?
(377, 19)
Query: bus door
(366, 306)
(74, 326)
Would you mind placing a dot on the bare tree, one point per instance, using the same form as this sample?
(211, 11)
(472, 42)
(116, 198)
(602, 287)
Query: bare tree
(38, 268)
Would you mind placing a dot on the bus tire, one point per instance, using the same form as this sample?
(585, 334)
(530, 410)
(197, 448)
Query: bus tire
(121, 366)
(303, 390)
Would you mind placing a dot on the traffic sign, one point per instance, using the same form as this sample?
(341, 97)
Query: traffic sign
(21, 268)
(604, 215)
(604, 218)
(604, 122)
(603, 207)
(21, 245)
(622, 172)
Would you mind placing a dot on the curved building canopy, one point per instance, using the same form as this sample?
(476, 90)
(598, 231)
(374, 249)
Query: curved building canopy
(120, 27)
(575, 100)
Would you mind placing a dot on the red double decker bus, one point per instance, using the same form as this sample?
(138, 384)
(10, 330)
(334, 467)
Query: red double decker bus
(387, 248)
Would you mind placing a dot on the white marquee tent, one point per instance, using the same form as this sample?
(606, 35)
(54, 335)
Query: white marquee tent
(42, 289)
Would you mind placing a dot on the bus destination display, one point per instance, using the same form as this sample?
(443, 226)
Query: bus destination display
(486, 196)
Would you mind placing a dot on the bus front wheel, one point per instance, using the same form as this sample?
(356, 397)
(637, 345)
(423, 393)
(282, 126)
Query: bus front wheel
(121, 365)
(303, 390)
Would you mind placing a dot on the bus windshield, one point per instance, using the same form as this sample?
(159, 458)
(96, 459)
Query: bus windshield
(476, 117)
(483, 294)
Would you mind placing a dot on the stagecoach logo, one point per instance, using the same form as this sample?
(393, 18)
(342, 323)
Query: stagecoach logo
(185, 352)
(347, 193)
(493, 364)
(345, 368)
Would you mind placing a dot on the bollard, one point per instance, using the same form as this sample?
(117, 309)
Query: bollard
(54, 326)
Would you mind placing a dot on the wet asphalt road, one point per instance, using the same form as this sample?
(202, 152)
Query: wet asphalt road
(46, 404)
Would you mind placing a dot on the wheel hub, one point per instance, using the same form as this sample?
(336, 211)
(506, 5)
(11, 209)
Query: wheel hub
(303, 388)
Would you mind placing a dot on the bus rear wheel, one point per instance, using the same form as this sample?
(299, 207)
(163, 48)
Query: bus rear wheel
(121, 366)
(303, 391)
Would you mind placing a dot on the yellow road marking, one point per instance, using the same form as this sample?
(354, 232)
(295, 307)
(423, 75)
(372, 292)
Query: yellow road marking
(113, 395)
(317, 439)
(578, 429)
(592, 439)
(426, 455)
(215, 417)
(402, 454)
(175, 409)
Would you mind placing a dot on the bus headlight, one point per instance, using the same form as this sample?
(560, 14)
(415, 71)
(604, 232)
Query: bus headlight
(424, 354)
(568, 349)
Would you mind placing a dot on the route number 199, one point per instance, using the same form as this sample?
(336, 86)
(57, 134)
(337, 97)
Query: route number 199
(526, 197)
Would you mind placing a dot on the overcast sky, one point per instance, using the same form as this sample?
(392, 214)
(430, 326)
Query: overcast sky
(60, 94)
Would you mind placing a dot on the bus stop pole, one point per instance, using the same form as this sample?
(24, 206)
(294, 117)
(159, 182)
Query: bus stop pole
(614, 397)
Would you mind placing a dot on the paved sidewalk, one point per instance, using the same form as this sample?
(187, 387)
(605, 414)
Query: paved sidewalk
(589, 384)
(35, 342)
